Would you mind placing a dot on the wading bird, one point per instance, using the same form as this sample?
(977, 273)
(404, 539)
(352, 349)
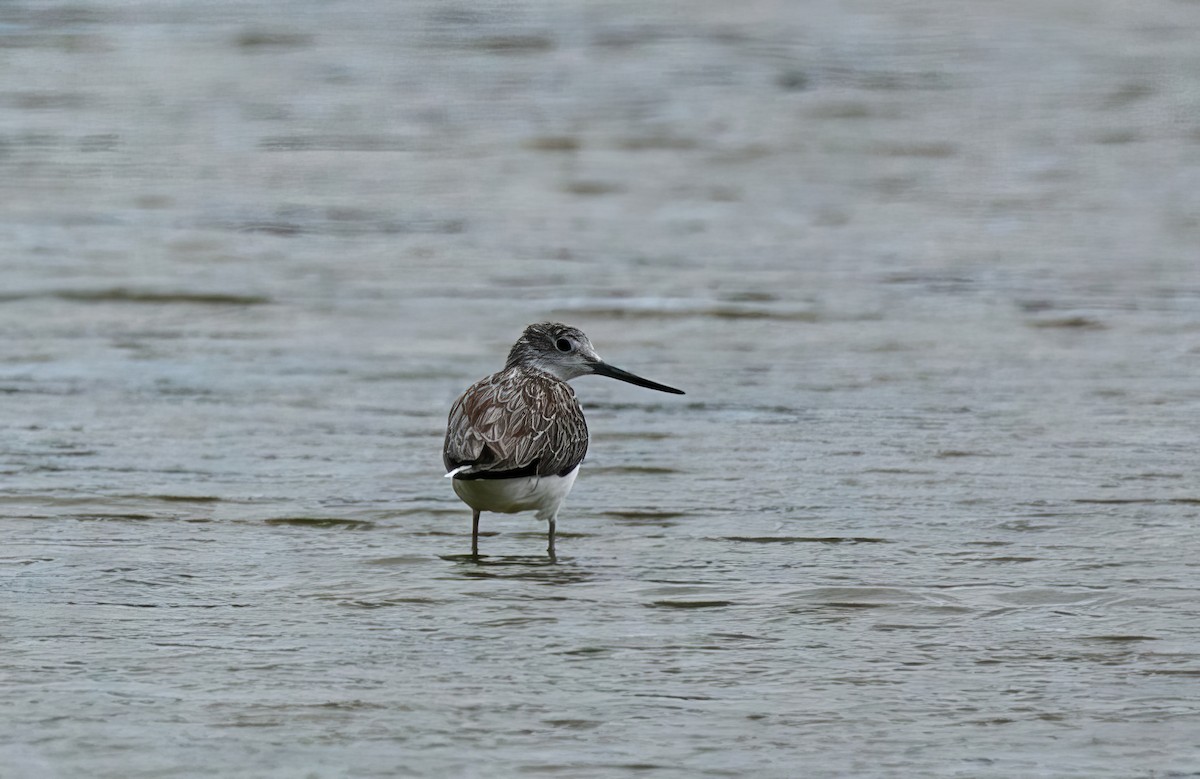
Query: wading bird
(515, 440)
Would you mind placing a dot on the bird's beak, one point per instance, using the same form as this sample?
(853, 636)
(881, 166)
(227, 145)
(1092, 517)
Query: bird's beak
(601, 368)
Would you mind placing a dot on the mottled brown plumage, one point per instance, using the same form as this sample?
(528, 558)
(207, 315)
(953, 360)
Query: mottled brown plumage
(518, 422)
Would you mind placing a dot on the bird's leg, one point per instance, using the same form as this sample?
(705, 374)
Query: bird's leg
(550, 546)
(474, 533)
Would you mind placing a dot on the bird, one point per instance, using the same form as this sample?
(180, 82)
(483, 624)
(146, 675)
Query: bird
(515, 440)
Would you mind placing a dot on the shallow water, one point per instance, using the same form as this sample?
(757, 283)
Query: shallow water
(928, 276)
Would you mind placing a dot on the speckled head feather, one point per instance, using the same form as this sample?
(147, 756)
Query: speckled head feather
(552, 347)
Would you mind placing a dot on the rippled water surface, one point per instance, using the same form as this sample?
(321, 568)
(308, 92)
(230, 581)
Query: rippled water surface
(929, 276)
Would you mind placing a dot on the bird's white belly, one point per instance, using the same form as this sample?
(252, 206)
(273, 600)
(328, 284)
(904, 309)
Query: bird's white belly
(543, 494)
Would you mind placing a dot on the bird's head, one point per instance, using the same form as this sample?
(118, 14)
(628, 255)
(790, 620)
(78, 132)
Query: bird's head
(566, 353)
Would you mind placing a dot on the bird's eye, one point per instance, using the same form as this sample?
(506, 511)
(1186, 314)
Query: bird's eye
(563, 345)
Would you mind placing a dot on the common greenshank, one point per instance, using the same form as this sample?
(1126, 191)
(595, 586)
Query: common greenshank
(515, 440)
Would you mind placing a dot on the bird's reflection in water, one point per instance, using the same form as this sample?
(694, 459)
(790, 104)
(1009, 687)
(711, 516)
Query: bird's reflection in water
(535, 568)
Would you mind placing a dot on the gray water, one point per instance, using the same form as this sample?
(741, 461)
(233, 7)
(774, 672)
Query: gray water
(927, 270)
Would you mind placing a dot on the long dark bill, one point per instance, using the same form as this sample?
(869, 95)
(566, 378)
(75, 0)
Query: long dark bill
(604, 369)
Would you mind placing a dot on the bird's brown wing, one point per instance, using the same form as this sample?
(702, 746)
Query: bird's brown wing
(515, 423)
